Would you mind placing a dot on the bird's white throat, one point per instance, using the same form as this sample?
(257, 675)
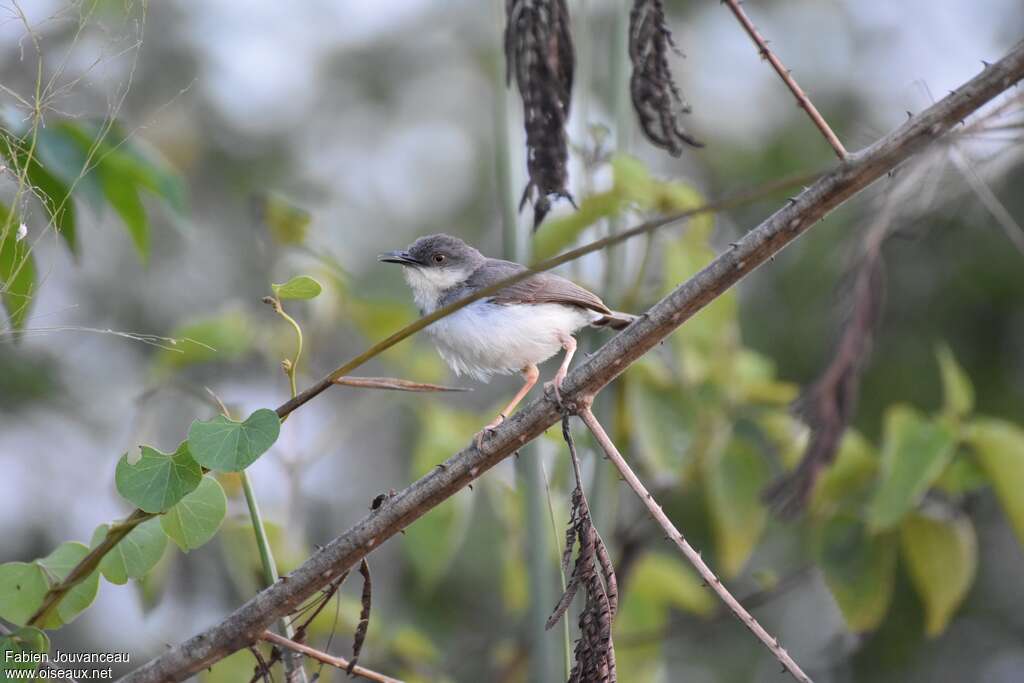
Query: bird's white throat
(428, 284)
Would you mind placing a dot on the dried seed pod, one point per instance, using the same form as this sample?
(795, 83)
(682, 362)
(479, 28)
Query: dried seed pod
(539, 54)
(656, 98)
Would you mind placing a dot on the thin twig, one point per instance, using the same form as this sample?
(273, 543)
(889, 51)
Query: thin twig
(394, 384)
(787, 78)
(331, 660)
(770, 642)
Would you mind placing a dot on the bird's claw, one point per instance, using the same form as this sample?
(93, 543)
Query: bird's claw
(488, 430)
(555, 387)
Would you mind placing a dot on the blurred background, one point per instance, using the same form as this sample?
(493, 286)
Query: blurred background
(305, 138)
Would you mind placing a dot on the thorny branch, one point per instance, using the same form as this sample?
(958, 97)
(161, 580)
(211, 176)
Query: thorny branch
(787, 78)
(244, 625)
(685, 548)
(337, 662)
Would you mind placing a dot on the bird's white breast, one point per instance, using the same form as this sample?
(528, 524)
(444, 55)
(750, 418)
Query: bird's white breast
(486, 338)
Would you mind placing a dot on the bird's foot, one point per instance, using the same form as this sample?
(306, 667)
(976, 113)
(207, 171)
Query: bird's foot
(555, 387)
(488, 430)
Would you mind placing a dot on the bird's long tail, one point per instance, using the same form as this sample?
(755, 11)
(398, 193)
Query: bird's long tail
(615, 320)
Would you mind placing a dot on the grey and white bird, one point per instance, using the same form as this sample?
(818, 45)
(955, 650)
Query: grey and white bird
(511, 331)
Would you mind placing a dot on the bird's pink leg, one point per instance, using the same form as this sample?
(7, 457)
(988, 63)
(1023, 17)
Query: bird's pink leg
(569, 344)
(530, 376)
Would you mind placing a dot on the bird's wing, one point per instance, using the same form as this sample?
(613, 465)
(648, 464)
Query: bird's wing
(542, 288)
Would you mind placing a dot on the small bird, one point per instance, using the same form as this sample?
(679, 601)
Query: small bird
(510, 331)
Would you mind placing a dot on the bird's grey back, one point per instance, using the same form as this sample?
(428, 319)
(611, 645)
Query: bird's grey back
(541, 288)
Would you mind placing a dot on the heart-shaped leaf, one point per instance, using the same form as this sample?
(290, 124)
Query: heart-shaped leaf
(22, 588)
(224, 445)
(17, 651)
(299, 287)
(197, 516)
(158, 480)
(58, 565)
(135, 554)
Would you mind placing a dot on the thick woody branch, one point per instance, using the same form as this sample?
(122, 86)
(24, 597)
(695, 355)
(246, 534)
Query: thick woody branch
(694, 557)
(787, 78)
(245, 625)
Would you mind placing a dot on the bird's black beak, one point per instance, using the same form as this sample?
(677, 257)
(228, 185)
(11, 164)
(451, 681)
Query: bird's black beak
(400, 257)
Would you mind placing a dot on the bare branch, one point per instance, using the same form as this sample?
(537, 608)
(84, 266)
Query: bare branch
(861, 169)
(787, 78)
(331, 660)
(659, 516)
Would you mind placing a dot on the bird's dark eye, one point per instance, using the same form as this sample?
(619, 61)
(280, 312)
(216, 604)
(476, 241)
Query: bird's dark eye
(439, 258)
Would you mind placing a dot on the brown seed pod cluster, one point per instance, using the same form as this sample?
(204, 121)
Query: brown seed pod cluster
(539, 53)
(656, 98)
(593, 571)
(828, 405)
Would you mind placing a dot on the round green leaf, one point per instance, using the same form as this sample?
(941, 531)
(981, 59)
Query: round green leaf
(224, 445)
(197, 516)
(21, 645)
(941, 556)
(299, 287)
(915, 452)
(58, 565)
(135, 554)
(158, 480)
(22, 587)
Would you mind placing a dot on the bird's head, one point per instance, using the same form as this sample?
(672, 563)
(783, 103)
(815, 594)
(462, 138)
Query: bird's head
(434, 264)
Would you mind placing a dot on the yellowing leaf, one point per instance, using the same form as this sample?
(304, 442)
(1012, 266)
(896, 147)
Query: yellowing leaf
(999, 448)
(941, 556)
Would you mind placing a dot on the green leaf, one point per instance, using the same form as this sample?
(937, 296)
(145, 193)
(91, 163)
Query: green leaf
(560, 232)
(56, 199)
(914, 454)
(135, 554)
(22, 588)
(734, 482)
(221, 338)
(17, 270)
(957, 392)
(124, 198)
(963, 475)
(850, 479)
(299, 287)
(17, 648)
(999, 448)
(661, 580)
(941, 553)
(196, 518)
(157, 480)
(288, 223)
(859, 570)
(58, 565)
(225, 445)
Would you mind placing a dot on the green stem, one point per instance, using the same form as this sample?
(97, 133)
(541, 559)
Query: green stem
(292, 661)
(293, 364)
